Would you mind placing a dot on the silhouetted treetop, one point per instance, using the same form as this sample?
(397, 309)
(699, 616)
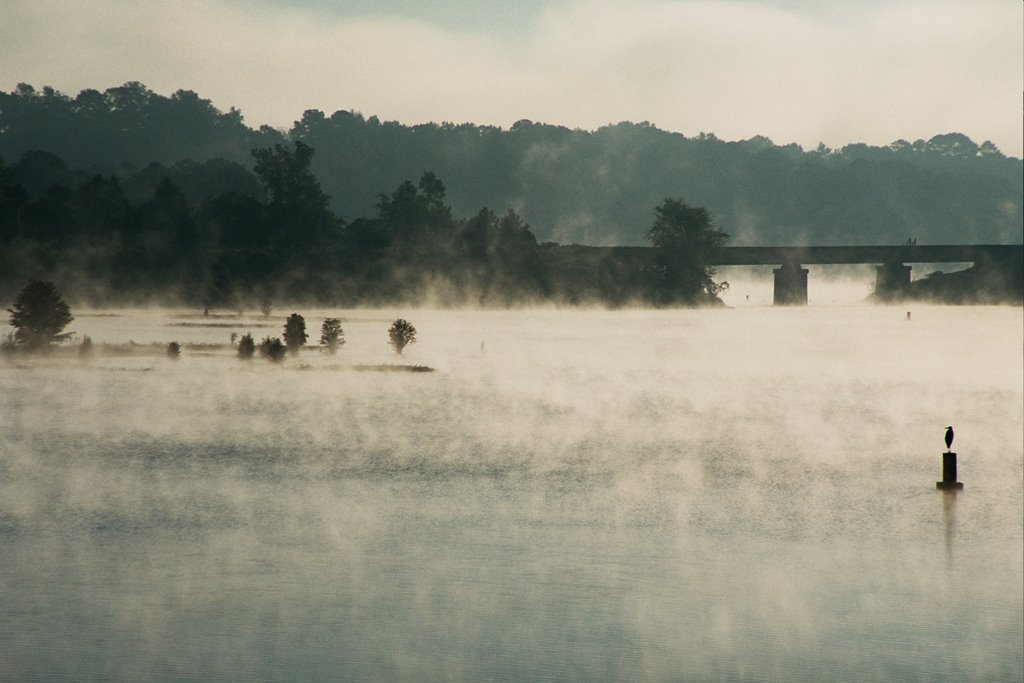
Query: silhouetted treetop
(298, 205)
(124, 124)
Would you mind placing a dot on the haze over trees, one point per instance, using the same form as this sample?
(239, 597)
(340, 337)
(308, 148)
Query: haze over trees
(130, 196)
(590, 187)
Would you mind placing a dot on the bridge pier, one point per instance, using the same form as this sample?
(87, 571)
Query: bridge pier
(790, 285)
(892, 282)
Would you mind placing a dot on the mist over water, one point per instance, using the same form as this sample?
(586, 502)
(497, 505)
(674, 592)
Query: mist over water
(737, 494)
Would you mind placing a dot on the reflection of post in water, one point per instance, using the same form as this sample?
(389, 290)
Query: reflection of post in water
(949, 513)
(949, 487)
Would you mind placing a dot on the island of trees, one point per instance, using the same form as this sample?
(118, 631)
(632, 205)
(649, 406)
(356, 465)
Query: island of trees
(40, 315)
(129, 196)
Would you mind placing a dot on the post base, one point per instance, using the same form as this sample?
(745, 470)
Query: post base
(949, 482)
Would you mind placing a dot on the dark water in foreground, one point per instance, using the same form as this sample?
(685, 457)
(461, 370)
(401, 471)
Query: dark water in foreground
(717, 495)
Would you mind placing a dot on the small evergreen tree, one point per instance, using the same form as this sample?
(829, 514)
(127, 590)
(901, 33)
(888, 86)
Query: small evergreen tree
(401, 334)
(39, 316)
(295, 332)
(331, 335)
(246, 347)
(174, 350)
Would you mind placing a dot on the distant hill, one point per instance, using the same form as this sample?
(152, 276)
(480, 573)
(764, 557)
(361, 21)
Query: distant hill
(571, 186)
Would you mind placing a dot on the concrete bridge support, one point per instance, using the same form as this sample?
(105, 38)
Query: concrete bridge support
(790, 285)
(892, 282)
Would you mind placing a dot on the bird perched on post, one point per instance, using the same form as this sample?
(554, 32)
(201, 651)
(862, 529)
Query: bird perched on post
(949, 438)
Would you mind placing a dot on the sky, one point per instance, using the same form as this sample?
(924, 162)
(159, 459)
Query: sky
(803, 71)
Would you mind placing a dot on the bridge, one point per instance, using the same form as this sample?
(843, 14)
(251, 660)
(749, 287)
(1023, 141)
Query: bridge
(892, 279)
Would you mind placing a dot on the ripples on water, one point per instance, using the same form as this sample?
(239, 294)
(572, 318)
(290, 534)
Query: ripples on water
(739, 494)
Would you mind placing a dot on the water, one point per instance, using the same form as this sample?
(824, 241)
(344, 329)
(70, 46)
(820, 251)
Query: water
(743, 494)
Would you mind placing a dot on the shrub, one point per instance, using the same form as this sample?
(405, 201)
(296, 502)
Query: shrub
(85, 349)
(272, 349)
(174, 350)
(246, 347)
(7, 345)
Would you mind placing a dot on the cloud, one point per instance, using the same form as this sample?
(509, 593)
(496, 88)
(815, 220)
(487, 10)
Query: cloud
(871, 73)
(739, 69)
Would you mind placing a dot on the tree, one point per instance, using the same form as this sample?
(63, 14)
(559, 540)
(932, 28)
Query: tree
(401, 334)
(685, 242)
(331, 335)
(295, 332)
(39, 316)
(174, 350)
(246, 347)
(416, 215)
(297, 203)
(272, 349)
(501, 254)
(286, 177)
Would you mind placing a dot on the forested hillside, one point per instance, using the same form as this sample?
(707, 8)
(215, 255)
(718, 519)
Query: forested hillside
(571, 186)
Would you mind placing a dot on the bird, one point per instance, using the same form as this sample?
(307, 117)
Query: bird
(949, 438)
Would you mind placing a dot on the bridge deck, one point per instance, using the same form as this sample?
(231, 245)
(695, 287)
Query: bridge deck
(767, 256)
(936, 253)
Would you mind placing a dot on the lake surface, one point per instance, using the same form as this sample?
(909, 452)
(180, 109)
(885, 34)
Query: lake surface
(736, 494)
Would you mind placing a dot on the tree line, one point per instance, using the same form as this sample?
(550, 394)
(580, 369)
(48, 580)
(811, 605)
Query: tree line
(240, 245)
(572, 186)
